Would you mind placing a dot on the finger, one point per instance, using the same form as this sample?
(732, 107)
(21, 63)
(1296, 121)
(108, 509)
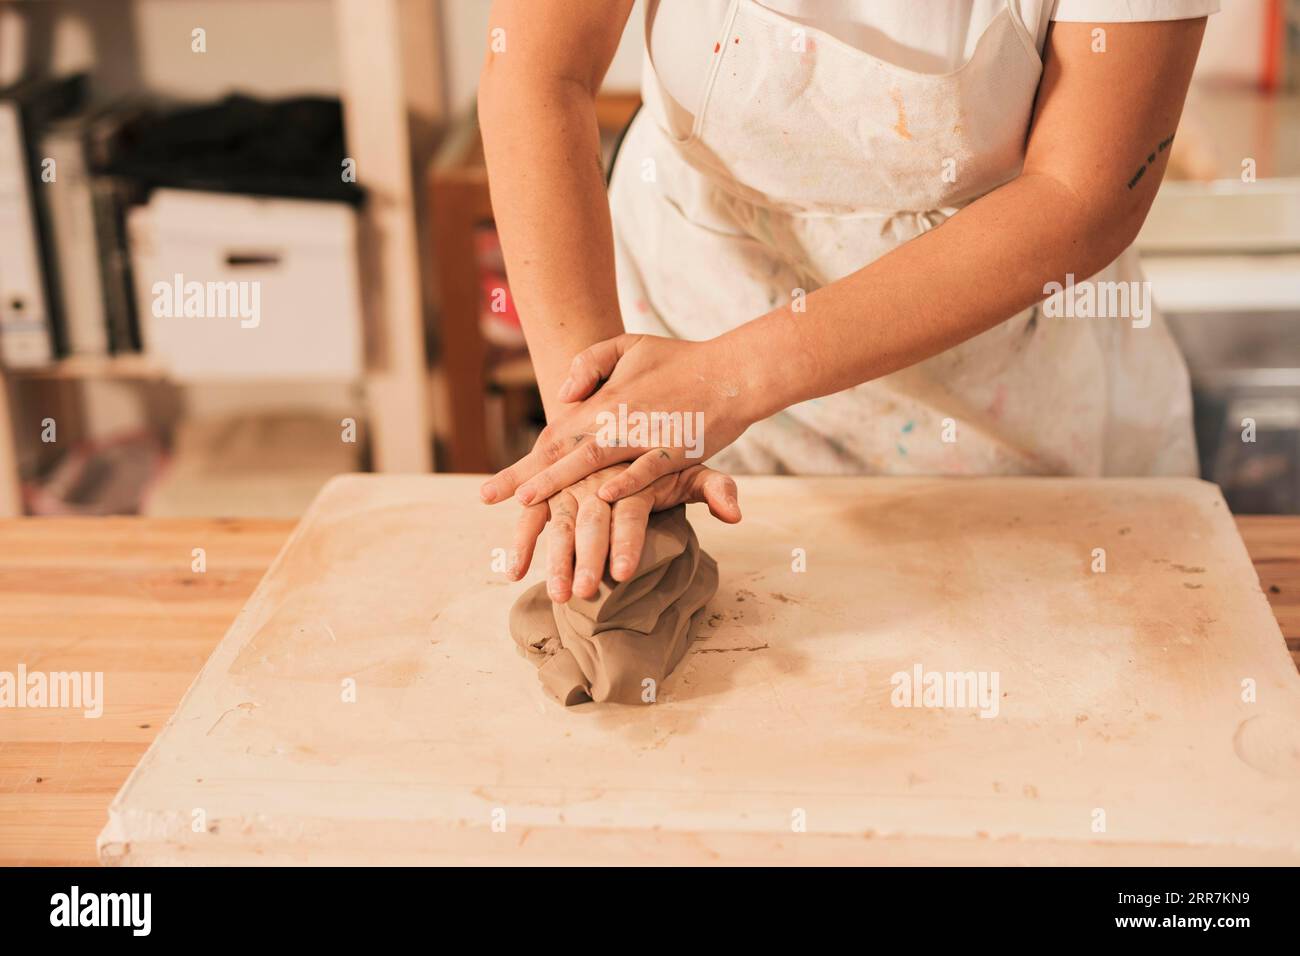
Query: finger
(548, 450)
(698, 483)
(527, 528)
(591, 546)
(592, 366)
(718, 491)
(587, 455)
(630, 518)
(643, 472)
(559, 548)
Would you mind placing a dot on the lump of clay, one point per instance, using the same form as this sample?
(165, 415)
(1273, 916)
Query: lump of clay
(603, 648)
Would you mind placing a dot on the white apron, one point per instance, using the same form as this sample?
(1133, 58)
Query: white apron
(808, 159)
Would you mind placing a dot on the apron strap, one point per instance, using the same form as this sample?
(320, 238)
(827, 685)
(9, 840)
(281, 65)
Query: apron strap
(1018, 21)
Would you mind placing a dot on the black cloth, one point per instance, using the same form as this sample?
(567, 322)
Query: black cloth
(290, 148)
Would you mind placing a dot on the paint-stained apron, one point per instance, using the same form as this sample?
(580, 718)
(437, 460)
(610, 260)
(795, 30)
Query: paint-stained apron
(807, 160)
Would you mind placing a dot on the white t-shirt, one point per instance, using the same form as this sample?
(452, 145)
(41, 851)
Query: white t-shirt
(927, 36)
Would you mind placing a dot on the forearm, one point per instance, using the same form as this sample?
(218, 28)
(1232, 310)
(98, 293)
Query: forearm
(984, 265)
(542, 148)
(1096, 150)
(1079, 202)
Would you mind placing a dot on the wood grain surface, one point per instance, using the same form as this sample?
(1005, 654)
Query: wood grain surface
(119, 595)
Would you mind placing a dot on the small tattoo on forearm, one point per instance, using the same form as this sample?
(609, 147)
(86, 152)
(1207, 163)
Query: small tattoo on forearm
(1160, 148)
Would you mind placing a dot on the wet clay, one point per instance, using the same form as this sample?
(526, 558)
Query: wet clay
(620, 645)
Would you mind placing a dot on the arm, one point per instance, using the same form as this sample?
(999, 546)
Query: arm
(1071, 210)
(536, 104)
(1098, 118)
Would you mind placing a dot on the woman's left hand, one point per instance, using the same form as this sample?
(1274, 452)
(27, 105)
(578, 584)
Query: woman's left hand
(586, 531)
(626, 379)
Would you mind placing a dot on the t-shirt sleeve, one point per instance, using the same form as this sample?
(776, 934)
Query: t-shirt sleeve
(1114, 11)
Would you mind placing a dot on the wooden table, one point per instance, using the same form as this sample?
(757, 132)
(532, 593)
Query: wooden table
(118, 595)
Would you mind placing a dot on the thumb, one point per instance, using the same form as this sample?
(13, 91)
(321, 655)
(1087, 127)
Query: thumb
(716, 490)
(594, 365)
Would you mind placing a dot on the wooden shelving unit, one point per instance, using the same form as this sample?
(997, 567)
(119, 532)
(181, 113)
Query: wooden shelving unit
(384, 66)
(127, 366)
(459, 203)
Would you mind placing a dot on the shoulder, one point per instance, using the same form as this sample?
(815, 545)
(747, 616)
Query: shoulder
(1037, 14)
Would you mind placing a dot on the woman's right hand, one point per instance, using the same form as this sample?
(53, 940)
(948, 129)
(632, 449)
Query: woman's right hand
(713, 385)
(585, 530)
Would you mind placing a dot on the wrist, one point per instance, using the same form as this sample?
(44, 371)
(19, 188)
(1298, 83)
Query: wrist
(751, 369)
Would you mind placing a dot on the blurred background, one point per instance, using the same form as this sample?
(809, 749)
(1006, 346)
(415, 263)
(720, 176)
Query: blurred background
(312, 171)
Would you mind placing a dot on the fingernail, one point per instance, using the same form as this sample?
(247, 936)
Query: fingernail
(584, 582)
(488, 493)
(525, 496)
(621, 567)
(512, 566)
(565, 386)
(606, 493)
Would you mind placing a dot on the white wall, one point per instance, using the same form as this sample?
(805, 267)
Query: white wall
(280, 47)
(1233, 49)
(268, 47)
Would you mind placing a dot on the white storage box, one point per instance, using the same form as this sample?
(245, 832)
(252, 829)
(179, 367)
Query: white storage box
(233, 286)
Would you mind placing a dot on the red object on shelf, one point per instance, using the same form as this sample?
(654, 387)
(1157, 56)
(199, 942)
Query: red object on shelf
(1274, 42)
(498, 318)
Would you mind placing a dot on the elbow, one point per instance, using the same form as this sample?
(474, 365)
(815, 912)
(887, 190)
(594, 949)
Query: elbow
(1096, 225)
(494, 88)
(1112, 233)
(1126, 217)
(1105, 230)
(503, 84)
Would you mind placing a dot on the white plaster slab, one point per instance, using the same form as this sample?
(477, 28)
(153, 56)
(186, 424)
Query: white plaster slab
(1121, 693)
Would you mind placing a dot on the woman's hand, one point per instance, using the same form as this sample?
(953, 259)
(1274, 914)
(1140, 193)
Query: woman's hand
(585, 529)
(706, 387)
